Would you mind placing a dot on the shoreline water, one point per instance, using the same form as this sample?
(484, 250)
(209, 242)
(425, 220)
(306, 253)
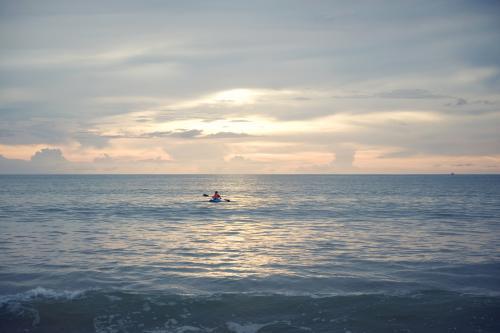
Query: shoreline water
(96, 311)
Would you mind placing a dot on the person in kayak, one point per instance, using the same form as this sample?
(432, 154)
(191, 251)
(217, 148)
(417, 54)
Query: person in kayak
(216, 196)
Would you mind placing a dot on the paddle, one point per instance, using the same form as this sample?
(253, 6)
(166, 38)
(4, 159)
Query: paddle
(206, 195)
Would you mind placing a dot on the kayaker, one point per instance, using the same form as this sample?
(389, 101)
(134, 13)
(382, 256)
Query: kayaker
(216, 195)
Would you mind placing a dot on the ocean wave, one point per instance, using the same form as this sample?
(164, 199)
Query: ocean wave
(117, 311)
(40, 293)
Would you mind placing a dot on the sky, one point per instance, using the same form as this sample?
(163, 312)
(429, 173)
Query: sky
(249, 86)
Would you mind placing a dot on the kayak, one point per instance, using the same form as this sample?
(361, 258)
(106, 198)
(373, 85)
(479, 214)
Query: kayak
(215, 200)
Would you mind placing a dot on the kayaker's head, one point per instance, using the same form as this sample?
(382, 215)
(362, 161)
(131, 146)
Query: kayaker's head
(216, 192)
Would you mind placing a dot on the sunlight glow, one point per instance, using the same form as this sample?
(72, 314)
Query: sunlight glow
(236, 96)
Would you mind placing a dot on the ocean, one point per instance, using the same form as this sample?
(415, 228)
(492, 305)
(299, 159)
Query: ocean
(288, 253)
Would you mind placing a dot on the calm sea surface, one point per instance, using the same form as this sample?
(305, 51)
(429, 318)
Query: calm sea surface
(288, 254)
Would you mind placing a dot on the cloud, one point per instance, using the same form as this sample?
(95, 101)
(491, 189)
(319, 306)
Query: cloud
(34, 131)
(458, 102)
(226, 135)
(48, 156)
(121, 163)
(368, 76)
(409, 94)
(342, 162)
(89, 139)
(13, 166)
(344, 158)
(157, 160)
(179, 133)
(398, 154)
(184, 134)
(105, 158)
(475, 103)
(47, 160)
(197, 153)
(52, 161)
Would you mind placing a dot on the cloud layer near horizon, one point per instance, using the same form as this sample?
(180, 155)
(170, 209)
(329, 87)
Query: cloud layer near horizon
(250, 87)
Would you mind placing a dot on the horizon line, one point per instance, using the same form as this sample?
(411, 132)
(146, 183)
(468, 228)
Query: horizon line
(251, 174)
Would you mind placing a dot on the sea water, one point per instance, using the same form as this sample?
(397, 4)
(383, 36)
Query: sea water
(289, 253)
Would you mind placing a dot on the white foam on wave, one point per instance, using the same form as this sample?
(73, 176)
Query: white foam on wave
(14, 303)
(42, 293)
(247, 328)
